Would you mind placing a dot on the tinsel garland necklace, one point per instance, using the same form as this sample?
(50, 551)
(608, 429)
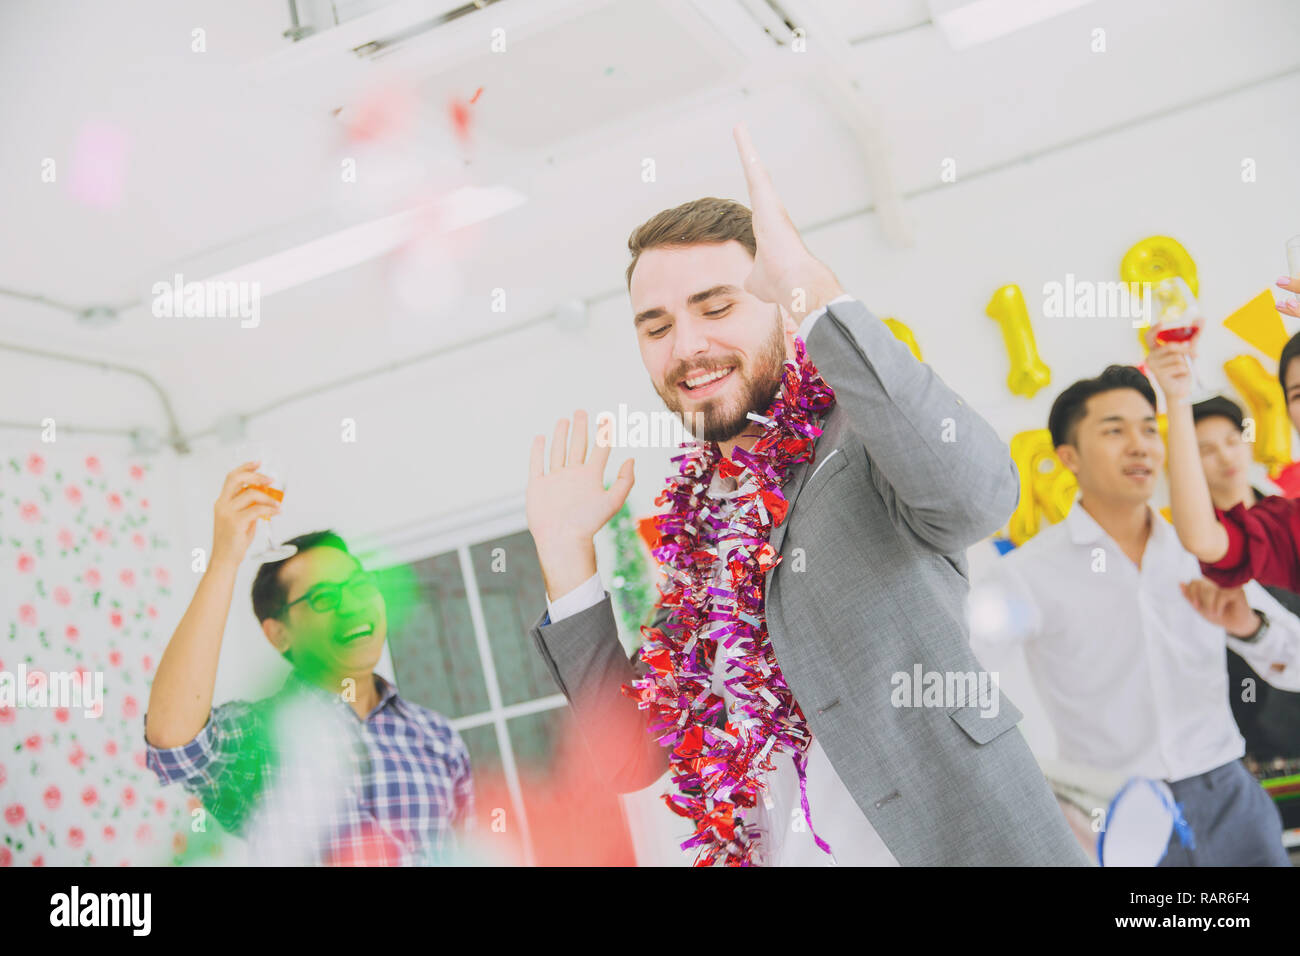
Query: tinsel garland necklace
(719, 761)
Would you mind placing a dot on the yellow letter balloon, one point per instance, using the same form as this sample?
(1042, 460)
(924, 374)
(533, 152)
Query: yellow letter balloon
(1028, 372)
(1267, 405)
(1047, 487)
(1153, 260)
(1156, 258)
(904, 335)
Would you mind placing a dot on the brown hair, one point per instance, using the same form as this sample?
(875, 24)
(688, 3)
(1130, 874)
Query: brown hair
(700, 220)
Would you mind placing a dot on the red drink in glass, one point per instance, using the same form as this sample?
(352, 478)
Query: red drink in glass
(1177, 333)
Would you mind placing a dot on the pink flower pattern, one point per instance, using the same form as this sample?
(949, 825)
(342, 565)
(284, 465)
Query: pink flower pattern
(90, 591)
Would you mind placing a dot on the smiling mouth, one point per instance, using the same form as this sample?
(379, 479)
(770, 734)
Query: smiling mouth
(705, 381)
(1137, 471)
(360, 632)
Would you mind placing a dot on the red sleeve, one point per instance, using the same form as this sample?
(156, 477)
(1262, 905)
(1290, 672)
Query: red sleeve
(1262, 545)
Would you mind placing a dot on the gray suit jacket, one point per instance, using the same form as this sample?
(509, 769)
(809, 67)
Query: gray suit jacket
(873, 583)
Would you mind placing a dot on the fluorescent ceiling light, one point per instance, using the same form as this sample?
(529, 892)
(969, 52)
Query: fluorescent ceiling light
(968, 22)
(357, 244)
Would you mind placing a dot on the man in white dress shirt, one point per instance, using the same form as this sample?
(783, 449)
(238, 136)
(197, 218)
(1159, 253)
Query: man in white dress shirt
(1125, 641)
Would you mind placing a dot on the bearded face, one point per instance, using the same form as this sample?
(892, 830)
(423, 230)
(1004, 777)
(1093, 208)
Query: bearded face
(714, 352)
(713, 396)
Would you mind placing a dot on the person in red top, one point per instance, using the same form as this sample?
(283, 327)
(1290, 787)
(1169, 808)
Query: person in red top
(1234, 546)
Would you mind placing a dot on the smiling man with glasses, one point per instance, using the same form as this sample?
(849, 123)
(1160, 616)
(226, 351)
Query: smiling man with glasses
(335, 768)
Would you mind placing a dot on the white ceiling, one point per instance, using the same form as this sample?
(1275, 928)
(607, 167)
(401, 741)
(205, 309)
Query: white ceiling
(241, 142)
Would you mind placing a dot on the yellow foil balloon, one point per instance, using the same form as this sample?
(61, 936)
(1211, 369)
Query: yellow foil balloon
(1028, 372)
(1156, 258)
(1058, 488)
(1047, 488)
(1153, 259)
(904, 335)
(1267, 407)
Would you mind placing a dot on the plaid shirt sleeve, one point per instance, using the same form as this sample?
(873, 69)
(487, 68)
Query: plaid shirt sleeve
(463, 775)
(224, 765)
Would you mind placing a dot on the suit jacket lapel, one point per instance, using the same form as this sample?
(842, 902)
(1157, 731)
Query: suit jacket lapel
(826, 442)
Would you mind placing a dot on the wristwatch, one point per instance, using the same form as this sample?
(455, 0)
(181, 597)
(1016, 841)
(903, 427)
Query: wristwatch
(1259, 631)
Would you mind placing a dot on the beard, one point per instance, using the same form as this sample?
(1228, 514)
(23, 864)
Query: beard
(727, 417)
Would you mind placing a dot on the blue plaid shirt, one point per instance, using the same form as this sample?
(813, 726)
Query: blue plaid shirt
(305, 781)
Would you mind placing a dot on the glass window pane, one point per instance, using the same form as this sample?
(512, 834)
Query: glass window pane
(484, 751)
(536, 738)
(513, 596)
(431, 635)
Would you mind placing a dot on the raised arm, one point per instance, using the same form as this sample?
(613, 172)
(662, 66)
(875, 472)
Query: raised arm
(1262, 545)
(566, 506)
(1190, 504)
(181, 697)
(933, 457)
(1233, 546)
(941, 466)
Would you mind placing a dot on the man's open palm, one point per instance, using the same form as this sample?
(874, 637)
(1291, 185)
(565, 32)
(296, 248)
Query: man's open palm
(570, 502)
(782, 263)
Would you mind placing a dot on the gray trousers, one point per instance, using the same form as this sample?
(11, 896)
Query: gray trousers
(1234, 822)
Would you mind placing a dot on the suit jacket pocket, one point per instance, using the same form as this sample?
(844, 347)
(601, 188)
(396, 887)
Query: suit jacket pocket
(982, 729)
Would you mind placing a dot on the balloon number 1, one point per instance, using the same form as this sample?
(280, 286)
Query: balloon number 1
(1029, 372)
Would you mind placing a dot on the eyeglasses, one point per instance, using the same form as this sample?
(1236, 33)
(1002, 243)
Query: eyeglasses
(324, 598)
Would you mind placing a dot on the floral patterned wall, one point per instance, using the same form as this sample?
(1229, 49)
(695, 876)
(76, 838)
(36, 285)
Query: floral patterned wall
(86, 585)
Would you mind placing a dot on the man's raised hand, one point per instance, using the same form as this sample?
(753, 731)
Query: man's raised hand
(785, 272)
(236, 511)
(1169, 364)
(568, 504)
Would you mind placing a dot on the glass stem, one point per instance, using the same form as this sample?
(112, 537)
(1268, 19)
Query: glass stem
(1197, 388)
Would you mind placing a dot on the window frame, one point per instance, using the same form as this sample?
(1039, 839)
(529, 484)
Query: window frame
(415, 541)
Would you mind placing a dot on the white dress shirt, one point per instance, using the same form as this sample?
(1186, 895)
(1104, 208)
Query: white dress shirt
(836, 816)
(1133, 679)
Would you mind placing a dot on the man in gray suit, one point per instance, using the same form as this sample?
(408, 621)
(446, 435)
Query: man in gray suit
(868, 601)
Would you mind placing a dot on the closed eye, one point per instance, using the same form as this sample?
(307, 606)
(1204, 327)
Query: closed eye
(717, 312)
(656, 333)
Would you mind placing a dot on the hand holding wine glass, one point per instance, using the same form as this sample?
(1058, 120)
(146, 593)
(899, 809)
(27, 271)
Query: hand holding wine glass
(274, 487)
(1170, 364)
(235, 514)
(1176, 322)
